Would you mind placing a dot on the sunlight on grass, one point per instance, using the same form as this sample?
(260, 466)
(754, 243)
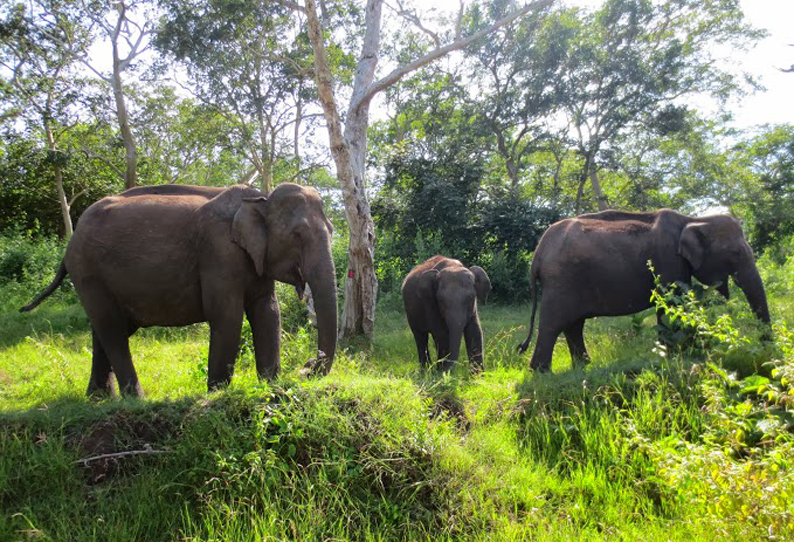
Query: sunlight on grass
(381, 450)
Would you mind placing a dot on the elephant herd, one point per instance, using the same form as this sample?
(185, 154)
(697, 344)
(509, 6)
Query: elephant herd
(173, 255)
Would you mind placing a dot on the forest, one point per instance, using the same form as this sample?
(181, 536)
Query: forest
(464, 129)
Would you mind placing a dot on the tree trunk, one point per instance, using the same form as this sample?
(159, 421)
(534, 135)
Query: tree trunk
(63, 201)
(349, 152)
(131, 173)
(349, 148)
(601, 199)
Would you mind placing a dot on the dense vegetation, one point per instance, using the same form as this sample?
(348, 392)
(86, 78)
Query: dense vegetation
(644, 442)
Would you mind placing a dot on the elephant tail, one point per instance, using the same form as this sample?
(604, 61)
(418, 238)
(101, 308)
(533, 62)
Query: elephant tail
(59, 276)
(534, 276)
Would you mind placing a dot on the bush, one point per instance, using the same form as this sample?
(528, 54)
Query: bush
(27, 260)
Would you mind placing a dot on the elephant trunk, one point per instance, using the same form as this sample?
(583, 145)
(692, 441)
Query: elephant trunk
(455, 337)
(321, 277)
(750, 282)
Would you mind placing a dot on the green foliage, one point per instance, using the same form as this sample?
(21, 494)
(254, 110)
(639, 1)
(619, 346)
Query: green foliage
(768, 191)
(636, 446)
(27, 194)
(687, 326)
(429, 207)
(24, 260)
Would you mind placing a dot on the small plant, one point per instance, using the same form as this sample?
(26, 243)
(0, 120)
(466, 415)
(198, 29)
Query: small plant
(686, 326)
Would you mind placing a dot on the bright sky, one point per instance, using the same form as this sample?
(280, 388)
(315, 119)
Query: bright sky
(776, 104)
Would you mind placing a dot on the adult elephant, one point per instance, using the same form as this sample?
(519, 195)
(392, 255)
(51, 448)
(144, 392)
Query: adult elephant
(597, 265)
(440, 297)
(174, 255)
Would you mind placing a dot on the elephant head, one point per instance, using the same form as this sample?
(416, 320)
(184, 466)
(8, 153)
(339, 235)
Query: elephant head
(715, 248)
(456, 290)
(288, 238)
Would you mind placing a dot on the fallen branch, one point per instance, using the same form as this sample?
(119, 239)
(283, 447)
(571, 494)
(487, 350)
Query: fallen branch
(118, 455)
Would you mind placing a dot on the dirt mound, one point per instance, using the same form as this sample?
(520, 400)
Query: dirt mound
(111, 446)
(451, 409)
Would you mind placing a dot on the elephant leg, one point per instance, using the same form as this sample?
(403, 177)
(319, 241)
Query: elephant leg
(474, 345)
(441, 338)
(550, 325)
(226, 323)
(101, 383)
(574, 334)
(421, 338)
(111, 331)
(264, 316)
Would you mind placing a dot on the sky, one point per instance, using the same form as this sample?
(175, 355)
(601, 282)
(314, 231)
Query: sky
(776, 104)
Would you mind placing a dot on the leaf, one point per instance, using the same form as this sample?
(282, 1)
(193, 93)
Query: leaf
(754, 384)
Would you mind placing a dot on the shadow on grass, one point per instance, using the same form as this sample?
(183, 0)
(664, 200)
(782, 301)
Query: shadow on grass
(60, 318)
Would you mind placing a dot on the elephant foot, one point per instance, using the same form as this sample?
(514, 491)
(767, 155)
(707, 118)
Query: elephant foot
(581, 361)
(543, 369)
(135, 391)
(445, 366)
(319, 366)
(99, 391)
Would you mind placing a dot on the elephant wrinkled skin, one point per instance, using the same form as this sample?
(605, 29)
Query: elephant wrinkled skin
(596, 265)
(174, 255)
(440, 297)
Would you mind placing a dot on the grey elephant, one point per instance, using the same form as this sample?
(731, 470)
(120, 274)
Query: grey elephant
(596, 265)
(174, 255)
(440, 297)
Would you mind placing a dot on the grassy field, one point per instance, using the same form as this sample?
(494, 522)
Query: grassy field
(638, 445)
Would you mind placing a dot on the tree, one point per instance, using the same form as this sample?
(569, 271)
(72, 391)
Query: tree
(517, 73)
(632, 59)
(27, 200)
(39, 87)
(186, 143)
(349, 144)
(251, 64)
(767, 198)
(128, 41)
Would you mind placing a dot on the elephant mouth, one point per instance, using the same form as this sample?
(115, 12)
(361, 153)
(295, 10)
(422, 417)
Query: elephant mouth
(295, 278)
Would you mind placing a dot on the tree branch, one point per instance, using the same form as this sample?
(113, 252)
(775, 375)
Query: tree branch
(118, 455)
(439, 52)
(413, 18)
(291, 5)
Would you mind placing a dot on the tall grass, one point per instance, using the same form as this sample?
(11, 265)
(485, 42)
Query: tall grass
(643, 443)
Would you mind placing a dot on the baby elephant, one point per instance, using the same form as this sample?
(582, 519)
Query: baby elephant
(440, 297)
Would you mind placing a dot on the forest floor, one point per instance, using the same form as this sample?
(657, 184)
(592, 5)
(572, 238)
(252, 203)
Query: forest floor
(640, 444)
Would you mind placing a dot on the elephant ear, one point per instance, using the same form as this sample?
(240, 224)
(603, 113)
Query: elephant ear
(428, 284)
(249, 230)
(482, 284)
(692, 244)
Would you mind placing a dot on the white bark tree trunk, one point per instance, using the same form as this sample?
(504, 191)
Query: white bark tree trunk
(131, 173)
(349, 147)
(63, 201)
(601, 199)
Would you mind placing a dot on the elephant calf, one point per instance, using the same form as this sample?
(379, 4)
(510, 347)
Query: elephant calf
(440, 297)
(174, 255)
(597, 265)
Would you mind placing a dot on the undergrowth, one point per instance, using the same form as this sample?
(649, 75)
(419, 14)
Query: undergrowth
(678, 433)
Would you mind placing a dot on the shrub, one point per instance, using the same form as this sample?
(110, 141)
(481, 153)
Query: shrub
(25, 260)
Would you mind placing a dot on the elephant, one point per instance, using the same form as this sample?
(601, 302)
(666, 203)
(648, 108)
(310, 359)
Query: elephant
(597, 265)
(174, 255)
(440, 297)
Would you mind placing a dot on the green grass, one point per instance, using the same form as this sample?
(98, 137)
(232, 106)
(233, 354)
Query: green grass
(634, 446)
